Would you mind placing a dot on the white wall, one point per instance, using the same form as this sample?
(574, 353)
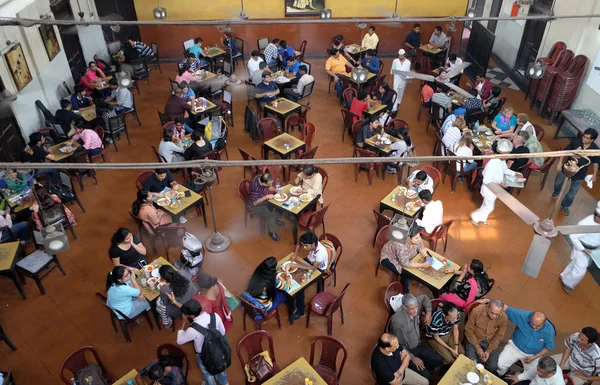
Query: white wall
(90, 37)
(508, 36)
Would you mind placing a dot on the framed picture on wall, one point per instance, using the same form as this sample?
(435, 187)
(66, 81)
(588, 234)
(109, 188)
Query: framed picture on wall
(50, 40)
(18, 66)
(303, 7)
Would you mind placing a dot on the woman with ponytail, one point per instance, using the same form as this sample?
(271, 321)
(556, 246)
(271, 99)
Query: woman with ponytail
(177, 291)
(145, 210)
(472, 284)
(123, 292)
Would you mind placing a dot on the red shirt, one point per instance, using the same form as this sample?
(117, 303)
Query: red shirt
(486, 90)
(358, 107)
(216, 307)
(426, 93)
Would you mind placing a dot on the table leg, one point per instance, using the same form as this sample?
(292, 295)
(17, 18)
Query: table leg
(381, 208)
(156, 315)
(13, 275)
(295, 231)
(561, 121)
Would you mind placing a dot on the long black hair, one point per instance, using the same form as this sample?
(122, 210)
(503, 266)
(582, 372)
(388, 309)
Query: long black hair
(264, 278)
(404, 133)
(119, 236)
(177, 281)
(483, 281)
(113, 277)
(142, 197)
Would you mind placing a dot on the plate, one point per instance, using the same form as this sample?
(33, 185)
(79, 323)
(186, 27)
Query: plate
(163, 202)
(281, 197)
(412, 206)
(387, 141)
(402, 189)
(296, 190)
(306, 198)
(284, 264)
(66, 149)
(410, 194)
(180, 194)
(171, 194)
(472, 377)
(174, 205)
(156, 274)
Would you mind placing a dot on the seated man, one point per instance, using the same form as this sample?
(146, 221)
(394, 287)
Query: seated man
(271, 53)
(370, 40)
(256, 77)
(452, 62)
(534, 146)
(198, 52)
(413, 40)
(158, 181)
(266, 91)
(192, 60)
(442, 333)
(582, 356)
(254, 62)
(91, 140)
(142, 48)
(370, 62)
(188, 93)
(433, 213)
(121, 97)
(438, 38)
(457, 113)
(518, 148)
(160, 374)
(285, 51)
(36, 152)
(483, 333)
(405, 325)
(368, 130)
(319, 256)
(293, 69)
(335, 66)
(389, 363)
(453, 135)
(473, 104)
(441, 98)
(80, 99)
(419, 181)
(305, 79)
(177, 107)
(261, 190)
(547, 373)
(19, 230)
(65, 116)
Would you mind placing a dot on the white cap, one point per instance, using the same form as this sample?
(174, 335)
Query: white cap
(504, 146)
(598, 208)
(401, 52)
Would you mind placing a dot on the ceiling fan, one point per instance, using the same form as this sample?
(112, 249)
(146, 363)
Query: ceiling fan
(544, 230)
(443, 78)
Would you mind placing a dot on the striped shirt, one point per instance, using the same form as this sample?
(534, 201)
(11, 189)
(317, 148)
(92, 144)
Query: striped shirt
(143, 49)
(439, 325)
(255, 192)
(271, 54)
(194, 66)
(265, 301)
(587, 361)
(443, 100)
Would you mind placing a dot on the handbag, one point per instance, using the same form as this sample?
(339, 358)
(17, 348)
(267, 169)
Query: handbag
(232, 302)
(260, 368)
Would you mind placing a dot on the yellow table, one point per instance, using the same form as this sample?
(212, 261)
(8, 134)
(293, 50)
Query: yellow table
(103, 84)
(434, 279)
(284, 108)
(207, 76)
(88, 113)
(355, 49)
(295, 374)
(457, 374)
(296, 210)
(297, 275)
(150, 294)
(398, 206)
(457, 99)
(348, 76)
(282, 73)
(482, 141)
(283, 145)
(8, 260)
(21, 204)
(198, 110)
(385, 150)
(214, 52)
(186, 202)
(129, 376)
(429, 49)
(375, 107)
(60, 155)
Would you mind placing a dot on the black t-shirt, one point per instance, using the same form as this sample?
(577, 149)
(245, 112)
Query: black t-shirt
(154, 185)
(36, 154)
(196, 152)
(129, 257)
(65, 117)
(385, 366)
(519, 162)
(578, 144)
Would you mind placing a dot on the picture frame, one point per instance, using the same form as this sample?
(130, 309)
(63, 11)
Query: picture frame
(17, 64)
(50, 41)
(295, 8)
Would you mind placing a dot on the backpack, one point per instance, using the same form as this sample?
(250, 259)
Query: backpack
(330, 248)
(91, 374)
(216, 353)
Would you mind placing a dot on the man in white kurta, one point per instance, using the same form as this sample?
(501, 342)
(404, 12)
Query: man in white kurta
(400, 81)
(580, 255)
(493, 172)
(433, 213)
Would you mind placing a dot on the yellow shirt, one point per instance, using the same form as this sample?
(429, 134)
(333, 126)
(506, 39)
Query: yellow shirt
(336, 65)
(370, 41)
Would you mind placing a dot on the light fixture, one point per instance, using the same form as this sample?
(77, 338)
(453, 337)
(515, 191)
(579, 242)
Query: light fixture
(359, 75)
(217, 242)
(159, 12)
(243, 14)
(471, 13)
(326, 13)
(399, 228)
(54, 239)
(536, 70)
(395, 14)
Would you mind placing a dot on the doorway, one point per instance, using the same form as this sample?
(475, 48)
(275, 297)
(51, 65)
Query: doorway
(494, 12)
(533, 34)
(118, 10)
(70, 38)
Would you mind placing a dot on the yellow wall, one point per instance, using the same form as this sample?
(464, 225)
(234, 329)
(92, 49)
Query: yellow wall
(257, 9)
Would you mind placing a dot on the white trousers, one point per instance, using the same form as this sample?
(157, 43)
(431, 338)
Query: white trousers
(413, 378)
(511, 354)
(489, 199)
(575, 271)
(399, 88)
(576, 380)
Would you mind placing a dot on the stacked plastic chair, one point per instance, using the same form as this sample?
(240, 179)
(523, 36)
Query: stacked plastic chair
(545, 83)
(566, 86)
(549, 60)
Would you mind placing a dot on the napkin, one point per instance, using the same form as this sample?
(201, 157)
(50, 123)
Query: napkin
(588, 180)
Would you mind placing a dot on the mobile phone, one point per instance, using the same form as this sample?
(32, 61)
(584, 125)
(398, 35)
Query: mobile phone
(187, 193)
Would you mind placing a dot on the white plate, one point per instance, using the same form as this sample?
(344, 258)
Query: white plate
(411, 194)
(155, 273)
(387, 141)
(305, 198)
(280, 197)
(472, 377)
(296, 190)
(284, 264)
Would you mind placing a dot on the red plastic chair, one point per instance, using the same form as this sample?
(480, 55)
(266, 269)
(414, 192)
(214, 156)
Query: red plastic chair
(380, 240)
(124, 321)
(175, 351)
(77, 360)
(492, 282)
(296, 120)
(370, 167)
(276, 172)
(325, 176)
(568, 379)
(305, 155)
(397, 124)
(308, 134)
(470, 308)
(440, 232)
(348, 95)
(436, 304)
(267, 129)
(337, 244)
(313, 219)
(434, 174)
(141, 179)
(393, 289)
(325, 304)
(381, 220)
(253, 169)
(252, 311)
(348, 118)
(327, 365)
(251, 345)
(356, 127)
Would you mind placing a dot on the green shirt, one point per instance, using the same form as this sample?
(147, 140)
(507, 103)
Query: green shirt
(535, 146)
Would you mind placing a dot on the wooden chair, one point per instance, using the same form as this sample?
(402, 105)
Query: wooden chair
(348, 118)
(243, 193)
(423, 105)
(78, 360)
(544, 170)
(37, 266)
(4, 337)
(434, 174)
(434, 116)
(370, 167)
(116, 125)
(337, 244)
(56, 215)
(327, 364)
(254, 312)
(141, 179)
(539, 132)
(81, 157)
(52, 133)
(254, 171)
(477, 116)
(251, 345)
(302, 51)
(145, 227)
(440, 232)
(452, 170)
(308, 134)
(175, 351)
(380, 240)
(171, 236)
(326, 304)
(159, 157)
(347, 95)
(381, 220)
(356, 127)
(133, 112)
(262, 43)
(325, 177)
(312, 219)
(100, 131)
(124, 321)
(397, 124)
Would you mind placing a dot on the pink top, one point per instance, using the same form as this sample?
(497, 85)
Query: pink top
(90, 139)
(94, 75)
(187, 76)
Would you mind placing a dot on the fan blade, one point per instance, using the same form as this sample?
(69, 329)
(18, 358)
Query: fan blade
(536, 255)
(581, 229)
(456, 88)
(517, 207)
(457, 70)
(410, 74)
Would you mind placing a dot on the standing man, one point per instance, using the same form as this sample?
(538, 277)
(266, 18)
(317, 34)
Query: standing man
(582, 356)
(483, 333)
(442, 333)
(413, 40)
(389, 363)
(493, 171)
(585, 143)
(370, 40)
(400, 81)
(583, 244)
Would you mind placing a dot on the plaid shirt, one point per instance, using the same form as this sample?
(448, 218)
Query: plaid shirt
(194, 66)
(271, 54)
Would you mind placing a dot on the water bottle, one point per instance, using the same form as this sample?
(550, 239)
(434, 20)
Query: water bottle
(130, 382)
(477, 126)
(277, 184)
(393, 197)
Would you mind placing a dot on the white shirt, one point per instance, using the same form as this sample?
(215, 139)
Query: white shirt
(427, 185)
(191, 334)
(458, 62)
(124, 97)
(400, 80)
(494, 171)
(166, 149)
(399, 147)
(432, 216)
(529, 128)
(448, 123)
(253, 65)
(451, 137)
(462, 151)
(304, 80)
(319, 255)
(590, 239)
(370, 41)
(556, 379)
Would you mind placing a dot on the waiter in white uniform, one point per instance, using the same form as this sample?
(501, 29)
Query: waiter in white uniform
(583, 244)
(400, 81)
(494, 172)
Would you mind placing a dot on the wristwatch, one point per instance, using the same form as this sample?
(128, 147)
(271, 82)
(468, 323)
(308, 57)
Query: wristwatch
(399, 373)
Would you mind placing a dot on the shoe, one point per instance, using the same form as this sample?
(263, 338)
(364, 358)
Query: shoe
(565, 210)
(486, 223)
(296, 317)
(567, 289)
(474, 223)
(280, 222)
(274, 237)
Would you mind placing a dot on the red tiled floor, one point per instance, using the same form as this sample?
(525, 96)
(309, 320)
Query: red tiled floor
(46, 328)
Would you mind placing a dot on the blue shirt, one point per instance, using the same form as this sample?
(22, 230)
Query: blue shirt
(505, 126)
(295, 68)
(285, 53)
(189, 94)
(79, 103)
(263, 88)
(525, 338)
(373, 66)
(196, 50)
(121, 297)
(414, 39)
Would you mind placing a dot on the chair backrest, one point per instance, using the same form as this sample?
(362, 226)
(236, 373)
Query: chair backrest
(381, 219)
(159, 157)
(335, 305)
(251, 90)
(246, 156)
(172, 235)
(539, 132)
(330, 348)
(441, 231)
(356, 127)
(164, 119)
(348, 117)
(102, 299)
(308, 134)
(563, 60)
(492, 282)
(568, 379)
(141, 179)
(227, 98)
(252, 344)
(477, 116)
(188, 44)
(302, 49)
(398, 124)
(435, 112)
(174, 351)
(325, 176)
(364, 153)
(381, 66)
(77, 360)
(174, 85)
(267, 128)
(393, 289)
(436, 304)
(243, 190)
(470, 308)
(308, 89)
(317, 217)
(262, 43)
(382, 237)
(116, 123)
(434, 173)
(53, 215)
(274, 171)
(348, 95)
(240, 45)
(309, 154)
(308, 65)
(100, 131)
(337, 244)
(548, 162)
(47, 114)
(154, 47)
(552, 55)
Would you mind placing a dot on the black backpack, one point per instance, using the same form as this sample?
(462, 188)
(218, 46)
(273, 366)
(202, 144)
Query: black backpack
(216, 353)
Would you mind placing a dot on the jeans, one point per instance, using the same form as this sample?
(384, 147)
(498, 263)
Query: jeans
(121, 109)
(568, 199)
(491, 364)
(389, 265)
(188, 129)
(469, 166)
(95, 151)
(54, 175)
(290, 94)
(209, 378)
(263, 211)
(431, 359)
(19, 229)
(338, 87)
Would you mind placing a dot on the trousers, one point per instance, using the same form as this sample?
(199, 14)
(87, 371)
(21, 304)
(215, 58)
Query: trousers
(511, 354)
(487, 207)
(413, 378)
(263, 211)
(573, 189)
(209, 378)
(471, 352)
(576, 380)
(405, 281)
(400, 92)
(430, 358)
(442, 350)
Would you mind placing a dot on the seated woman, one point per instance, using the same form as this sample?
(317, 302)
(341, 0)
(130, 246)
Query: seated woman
(18, 229)
(311, 181)
(338, 43)
(212, 297)
(123, 292)
(177, 291)
(126, 249)
(472, 284)
(200, 146)
(359, 105)
(168, 149)
(15, 182)
(464, 147)
(504, 122)
(385, 95)
(46, 202)
(265, 290)
(104, 110)
(368, 130)
(399, 147)
(492, 102)
(145, 210)
(93, 73)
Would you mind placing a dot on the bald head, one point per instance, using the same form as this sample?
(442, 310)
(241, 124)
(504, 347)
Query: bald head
(387, 342)
(537, 320)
